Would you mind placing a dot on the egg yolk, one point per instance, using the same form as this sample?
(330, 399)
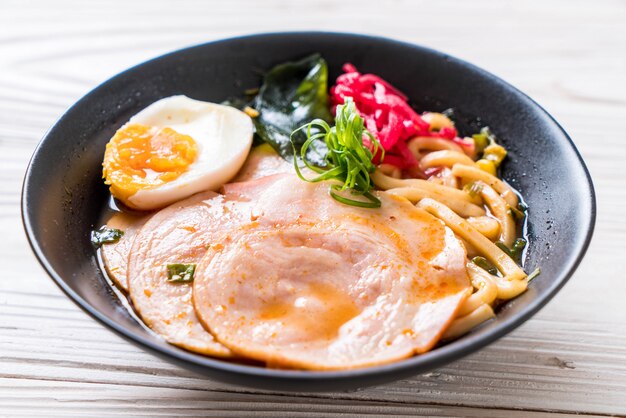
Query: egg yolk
(144, 157)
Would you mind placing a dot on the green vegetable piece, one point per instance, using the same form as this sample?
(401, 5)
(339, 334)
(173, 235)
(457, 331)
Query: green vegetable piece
(371, 202)
(347, 161)
(534, 274)
(483, 139)
(473, 188)
(480, 143)
(180, 273)
(292, 94)
(518, 246)
(105, 235)
(485, 265)
(504, 248)
(516, 213)
(486, 146)
(516, 249)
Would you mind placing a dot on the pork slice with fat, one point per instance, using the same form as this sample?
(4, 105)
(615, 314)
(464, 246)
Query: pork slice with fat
(316, 284)
(115, 255)
(178, 234)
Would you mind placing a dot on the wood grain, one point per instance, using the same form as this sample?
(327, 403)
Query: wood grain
(568, 55)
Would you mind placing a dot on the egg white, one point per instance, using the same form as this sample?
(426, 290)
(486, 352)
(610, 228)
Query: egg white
(223, 136)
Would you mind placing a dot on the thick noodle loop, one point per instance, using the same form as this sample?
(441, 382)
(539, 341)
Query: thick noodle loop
(465, 323)
(385, 183)
(486, 290)
(475, 204)
(419, 144)
(470, 173)
(505, 264)
(500, 210)
(445, 158)
(487, 226)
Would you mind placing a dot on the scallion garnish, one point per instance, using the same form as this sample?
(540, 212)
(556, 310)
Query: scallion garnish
(534, 274)
(348, 160)
(473, 188)
(180, 273)
(516, 249)
(516, 213)
(485, 265)
(105, 235)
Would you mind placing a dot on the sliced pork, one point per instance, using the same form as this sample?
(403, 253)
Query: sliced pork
(179, 234)
(115, 255)
(311, 283)
(262, 161)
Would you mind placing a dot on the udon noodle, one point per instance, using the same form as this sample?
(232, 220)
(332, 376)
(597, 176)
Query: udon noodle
(477, 206)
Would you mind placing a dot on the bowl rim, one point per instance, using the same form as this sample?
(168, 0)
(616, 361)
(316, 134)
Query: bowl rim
(434, 358)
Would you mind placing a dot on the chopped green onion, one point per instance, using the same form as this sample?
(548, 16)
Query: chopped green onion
(480, 143)
(348, 161)
(486, 146)
(516, 213)
(516, 250)
(473, 188)
(483, 139)
(105, 235)
(485, 265)
(504, 248)
(180, 273)
(534, 274)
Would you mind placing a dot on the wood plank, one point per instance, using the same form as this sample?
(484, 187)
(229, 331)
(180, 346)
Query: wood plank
(571, 358)
(28, 398)
(567, 364)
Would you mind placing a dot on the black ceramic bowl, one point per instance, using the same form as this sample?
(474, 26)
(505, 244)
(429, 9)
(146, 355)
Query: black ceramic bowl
(63, 192)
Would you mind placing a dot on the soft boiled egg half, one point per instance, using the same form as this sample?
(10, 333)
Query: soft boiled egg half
(174, 148)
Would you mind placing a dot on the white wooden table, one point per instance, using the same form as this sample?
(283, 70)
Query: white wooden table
(568, 55)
